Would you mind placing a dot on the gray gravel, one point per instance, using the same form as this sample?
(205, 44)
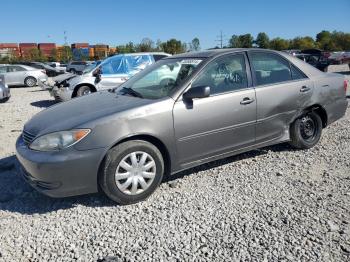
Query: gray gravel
(273, 204)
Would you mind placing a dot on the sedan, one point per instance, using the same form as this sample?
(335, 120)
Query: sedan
(214, 104)
(4, 90)
(22, 75)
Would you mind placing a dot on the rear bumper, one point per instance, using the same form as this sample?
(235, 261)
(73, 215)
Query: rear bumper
(336, 110)
(60, 174)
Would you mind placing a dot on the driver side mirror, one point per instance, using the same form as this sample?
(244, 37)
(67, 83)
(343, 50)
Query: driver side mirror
(97, 73)
(197, 92)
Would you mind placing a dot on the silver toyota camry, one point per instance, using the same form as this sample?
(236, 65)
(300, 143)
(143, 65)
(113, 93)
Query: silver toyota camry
(178, 113)
(22, 75)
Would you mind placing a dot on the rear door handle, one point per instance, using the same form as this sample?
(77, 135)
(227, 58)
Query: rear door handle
(305, 89)
(247, 101)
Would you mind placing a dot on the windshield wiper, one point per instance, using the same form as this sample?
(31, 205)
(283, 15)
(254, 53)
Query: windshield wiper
(130, 91)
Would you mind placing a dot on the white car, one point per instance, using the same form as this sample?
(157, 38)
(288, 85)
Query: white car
(22, 75)
(4, 90)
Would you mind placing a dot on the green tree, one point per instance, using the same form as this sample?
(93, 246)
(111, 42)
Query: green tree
(262, 40)
(66, 54)
(241, 41)
(195, 44)
(173, 46)
(146, 45)
(234, 42)
(128, 48)
(54, 56)
(323, 40)
(279, 44)
(301, 43)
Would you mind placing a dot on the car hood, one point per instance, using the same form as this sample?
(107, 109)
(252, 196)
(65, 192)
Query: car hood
(63, 77)
(79, 111)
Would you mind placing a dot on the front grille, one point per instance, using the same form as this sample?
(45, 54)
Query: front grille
(27, 137)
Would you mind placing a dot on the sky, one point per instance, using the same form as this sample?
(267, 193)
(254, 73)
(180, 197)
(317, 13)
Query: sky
(118, 22)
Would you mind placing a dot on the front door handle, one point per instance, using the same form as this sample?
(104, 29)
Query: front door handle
(305, 89)
(247, 101)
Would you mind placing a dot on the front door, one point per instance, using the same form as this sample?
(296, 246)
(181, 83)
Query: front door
(222, 122)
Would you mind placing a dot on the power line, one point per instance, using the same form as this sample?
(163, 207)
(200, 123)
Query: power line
(221, 38)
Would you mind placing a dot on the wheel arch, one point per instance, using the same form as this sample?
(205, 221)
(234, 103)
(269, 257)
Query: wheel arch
(148, 138)
(93, 88)
(320, 110)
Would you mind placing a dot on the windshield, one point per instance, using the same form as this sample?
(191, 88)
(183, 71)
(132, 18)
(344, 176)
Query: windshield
(160, 79)
(90, 67)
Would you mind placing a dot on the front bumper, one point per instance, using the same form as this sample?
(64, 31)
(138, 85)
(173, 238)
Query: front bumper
(61, 94)
(69, 172)
(4, 93)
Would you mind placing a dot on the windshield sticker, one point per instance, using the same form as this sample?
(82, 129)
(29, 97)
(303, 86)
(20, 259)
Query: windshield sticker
(191, 61)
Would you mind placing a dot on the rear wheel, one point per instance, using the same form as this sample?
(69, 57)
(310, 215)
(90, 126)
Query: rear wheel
(305, 132)
(4, 100)
(84, 90)
(132, 172)
(30, 81)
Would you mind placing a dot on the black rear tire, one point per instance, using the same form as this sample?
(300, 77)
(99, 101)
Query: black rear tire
(306, 131)
(4, 100)
(116, 155)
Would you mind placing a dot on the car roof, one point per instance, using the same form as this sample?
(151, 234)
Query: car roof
(25, 67)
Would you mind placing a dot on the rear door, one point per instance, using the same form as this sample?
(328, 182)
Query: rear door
(222, 122)
(281, 90)
(15, 75)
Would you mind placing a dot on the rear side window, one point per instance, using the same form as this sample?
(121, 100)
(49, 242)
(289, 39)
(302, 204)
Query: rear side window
(158, 57)
(296, 73)
(15, 69)
(270, 68)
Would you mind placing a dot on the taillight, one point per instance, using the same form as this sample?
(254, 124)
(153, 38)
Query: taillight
(345, 85)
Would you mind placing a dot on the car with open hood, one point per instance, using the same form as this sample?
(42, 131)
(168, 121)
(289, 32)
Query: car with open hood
(181, 112)
(107, 74)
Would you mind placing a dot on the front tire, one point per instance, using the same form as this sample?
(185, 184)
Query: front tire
(30, 81)
(305, 132)
(132, 171)
(83, 91)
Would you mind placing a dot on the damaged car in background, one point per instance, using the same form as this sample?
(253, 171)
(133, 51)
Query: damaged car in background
(180, 112)
(110, 73)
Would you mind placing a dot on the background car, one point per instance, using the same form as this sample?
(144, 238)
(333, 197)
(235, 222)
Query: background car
(4, 90)
(110, 73)
(49, 70)
(76, 66)
(59, 66)
(22, 75)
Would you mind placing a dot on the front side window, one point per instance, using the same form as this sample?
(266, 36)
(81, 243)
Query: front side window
(270, 68)
(113, 65)
(3, 69)
(160, 79)
(224, 74)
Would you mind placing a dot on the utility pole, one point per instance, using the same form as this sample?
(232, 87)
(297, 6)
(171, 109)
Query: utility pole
(220, 39)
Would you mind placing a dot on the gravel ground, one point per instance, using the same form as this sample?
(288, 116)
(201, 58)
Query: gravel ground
(273, 204)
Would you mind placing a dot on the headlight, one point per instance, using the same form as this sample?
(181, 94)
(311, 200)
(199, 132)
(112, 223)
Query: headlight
(58, 140)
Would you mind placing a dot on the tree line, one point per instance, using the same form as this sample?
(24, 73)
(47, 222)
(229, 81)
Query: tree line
(325, 40)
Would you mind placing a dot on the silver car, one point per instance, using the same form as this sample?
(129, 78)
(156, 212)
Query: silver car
(110, 73)
(22, 75)
(214, 104)
(4, 90)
